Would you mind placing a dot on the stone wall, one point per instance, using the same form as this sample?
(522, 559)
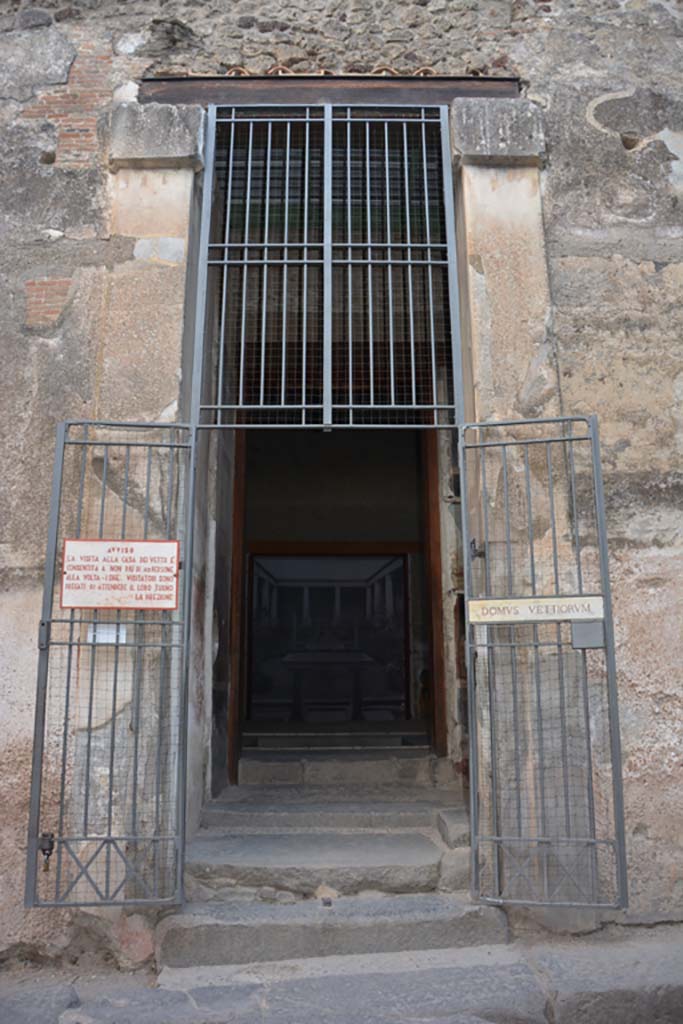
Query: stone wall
(85, 273)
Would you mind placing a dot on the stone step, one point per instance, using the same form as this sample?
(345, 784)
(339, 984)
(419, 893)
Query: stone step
(300, 862)
(343, 768)
(242, 932)
(270, 813)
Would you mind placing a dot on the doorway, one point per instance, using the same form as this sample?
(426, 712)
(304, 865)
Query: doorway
(336, 621)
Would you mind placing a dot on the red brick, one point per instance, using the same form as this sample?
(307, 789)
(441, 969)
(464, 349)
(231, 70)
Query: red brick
(74, 108)
(46, 299)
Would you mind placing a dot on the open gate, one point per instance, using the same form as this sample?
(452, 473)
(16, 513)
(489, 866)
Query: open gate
(107, 799)
(546, 796)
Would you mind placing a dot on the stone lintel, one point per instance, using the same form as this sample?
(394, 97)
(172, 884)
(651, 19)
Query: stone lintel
(497, 132)
(156, 135)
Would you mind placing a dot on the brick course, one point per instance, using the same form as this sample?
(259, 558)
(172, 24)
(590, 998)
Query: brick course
(46, 299)
(75, 108)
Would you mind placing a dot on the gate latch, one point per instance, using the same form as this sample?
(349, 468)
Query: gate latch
(46, 845)
(44, 635)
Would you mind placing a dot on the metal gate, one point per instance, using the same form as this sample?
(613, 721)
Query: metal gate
(546, 792)
(107, 799)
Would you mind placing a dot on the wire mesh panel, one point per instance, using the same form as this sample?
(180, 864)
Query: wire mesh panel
(547, 807)
(106, 803)
(331, 268)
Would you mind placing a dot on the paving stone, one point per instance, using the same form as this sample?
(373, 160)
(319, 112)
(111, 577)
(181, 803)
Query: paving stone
(635, 982)
(29, 1002)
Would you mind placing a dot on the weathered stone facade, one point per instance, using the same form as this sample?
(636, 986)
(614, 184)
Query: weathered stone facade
(93, 266)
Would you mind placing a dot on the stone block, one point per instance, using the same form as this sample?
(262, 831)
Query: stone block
(151, 203)
(156, 135)
(497, 132)
(454, 873)
(33, 59)
(454, 828)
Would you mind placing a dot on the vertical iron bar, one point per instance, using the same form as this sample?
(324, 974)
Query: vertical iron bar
(264, 281)
(537, 671)
(575, 512)
(181, 781)
(475, 885)
(409, 267)
(31, 894)
(368, 220)
(612, 698)
(430, 280)
(222, 341)
(164, 685)
(491, 681)
(245, 264)
(202, 269)
(453, 287)
(138, 673)
(114, 688)
(508, 532)
(327, 267)
(285, 238)
(304, 289)
(560, 651)
(387, 172)
(589, 763)
(349, 269)
(93, 658)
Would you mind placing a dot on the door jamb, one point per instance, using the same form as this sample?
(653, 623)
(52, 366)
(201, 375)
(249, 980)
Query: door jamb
(236, 631)
(433, 553)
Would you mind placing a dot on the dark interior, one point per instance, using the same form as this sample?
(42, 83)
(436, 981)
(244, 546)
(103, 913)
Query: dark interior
(336, 627)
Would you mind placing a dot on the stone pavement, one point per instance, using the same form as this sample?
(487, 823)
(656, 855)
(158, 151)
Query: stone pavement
(617, 977)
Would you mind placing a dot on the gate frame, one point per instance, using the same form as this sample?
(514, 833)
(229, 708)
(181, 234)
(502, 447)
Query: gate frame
(621, 901)
(33, 839)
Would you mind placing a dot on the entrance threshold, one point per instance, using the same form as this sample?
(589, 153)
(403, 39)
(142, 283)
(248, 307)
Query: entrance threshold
(390, 737)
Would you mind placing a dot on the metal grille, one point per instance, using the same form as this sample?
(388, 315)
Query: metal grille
(547, 805)
(331, 269)
(106, 816)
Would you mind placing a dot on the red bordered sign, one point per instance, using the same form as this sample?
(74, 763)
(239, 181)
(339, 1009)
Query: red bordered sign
(120, 574)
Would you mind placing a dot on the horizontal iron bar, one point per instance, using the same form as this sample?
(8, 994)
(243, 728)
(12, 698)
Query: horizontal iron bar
(507, 902)
(117, 838)
(152, 901)
(94, 443)
(545, 840)
(334, 426)
(517, 423)
(529, 440)
(335, 245)
(336, 120)
(336, 261)
(125, 426)
(339, 407)
(113, 643)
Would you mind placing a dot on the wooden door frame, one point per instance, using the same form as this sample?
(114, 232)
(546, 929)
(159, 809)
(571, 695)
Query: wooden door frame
(433, 568)
(236, 631)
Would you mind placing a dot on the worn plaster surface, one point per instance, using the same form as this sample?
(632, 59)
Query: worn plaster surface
(607, 78)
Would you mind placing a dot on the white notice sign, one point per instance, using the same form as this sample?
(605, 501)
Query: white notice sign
(120, 574)
(537, 609)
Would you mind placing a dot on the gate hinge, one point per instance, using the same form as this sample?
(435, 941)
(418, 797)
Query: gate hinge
(477, 552)
(44, 635)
